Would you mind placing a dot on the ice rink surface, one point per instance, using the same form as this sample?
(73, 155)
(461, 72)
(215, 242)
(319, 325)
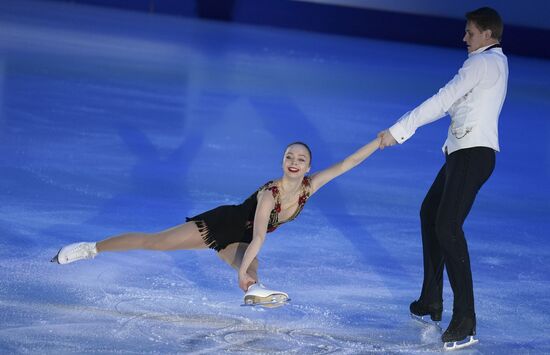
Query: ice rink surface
(115, 121)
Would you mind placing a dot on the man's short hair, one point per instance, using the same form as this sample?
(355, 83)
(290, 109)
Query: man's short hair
(486, 18)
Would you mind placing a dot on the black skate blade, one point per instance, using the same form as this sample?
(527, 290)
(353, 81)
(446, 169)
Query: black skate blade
(426, 321)
(456, 345)
(55, 259)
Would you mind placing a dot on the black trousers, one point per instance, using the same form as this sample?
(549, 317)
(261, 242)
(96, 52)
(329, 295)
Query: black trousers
(442, 215)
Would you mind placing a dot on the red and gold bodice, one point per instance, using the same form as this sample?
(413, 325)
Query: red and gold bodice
(274, 221)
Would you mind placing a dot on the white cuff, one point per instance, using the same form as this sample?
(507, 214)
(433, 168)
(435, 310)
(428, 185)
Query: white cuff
(399, 133)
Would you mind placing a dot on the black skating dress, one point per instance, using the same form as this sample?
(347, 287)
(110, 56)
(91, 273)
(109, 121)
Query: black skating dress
(229, 224)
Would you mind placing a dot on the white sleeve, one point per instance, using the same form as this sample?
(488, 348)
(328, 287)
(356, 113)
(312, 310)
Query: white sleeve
(436, 106)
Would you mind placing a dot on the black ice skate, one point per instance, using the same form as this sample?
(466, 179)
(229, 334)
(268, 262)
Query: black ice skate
(460, 333)
(419, 310)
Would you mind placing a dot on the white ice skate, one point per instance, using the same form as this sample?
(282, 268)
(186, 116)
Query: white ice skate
(74, 252)
(455, 345)
(258, 295)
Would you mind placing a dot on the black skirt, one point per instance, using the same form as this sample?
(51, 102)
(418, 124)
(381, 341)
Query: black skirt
(227, 224)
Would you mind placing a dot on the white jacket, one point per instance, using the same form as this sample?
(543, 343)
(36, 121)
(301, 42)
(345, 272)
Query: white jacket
(473, 99)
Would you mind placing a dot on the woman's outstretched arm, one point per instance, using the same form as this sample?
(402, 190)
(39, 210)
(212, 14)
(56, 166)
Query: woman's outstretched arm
(320, 178)
(266, 202)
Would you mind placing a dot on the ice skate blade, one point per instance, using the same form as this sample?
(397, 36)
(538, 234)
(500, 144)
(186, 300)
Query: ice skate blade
(271, 301)
(425, 321)
(455, 345)
(55, 259)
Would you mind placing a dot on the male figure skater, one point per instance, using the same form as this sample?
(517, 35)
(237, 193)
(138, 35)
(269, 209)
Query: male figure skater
(473, 99)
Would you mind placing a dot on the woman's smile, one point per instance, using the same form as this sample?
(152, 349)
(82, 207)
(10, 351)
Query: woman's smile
(293, 169)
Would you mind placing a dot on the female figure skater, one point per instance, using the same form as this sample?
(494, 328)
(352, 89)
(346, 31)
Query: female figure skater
(236, 232)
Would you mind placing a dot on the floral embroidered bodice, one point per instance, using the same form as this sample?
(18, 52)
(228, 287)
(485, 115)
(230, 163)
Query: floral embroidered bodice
(274, 221)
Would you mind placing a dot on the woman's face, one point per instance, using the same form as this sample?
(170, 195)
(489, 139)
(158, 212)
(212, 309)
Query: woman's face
(296, 161)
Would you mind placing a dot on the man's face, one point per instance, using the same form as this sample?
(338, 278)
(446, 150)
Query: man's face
(475, 38)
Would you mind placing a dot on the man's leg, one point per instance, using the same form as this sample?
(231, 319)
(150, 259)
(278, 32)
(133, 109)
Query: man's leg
(431, 301)
(467, 170)
(432, 286)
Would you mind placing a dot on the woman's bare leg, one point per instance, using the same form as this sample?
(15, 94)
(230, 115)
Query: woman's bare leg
(233, 255)
(184, 236)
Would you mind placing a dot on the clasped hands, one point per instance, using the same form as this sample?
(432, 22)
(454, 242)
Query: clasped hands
(386, 139)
